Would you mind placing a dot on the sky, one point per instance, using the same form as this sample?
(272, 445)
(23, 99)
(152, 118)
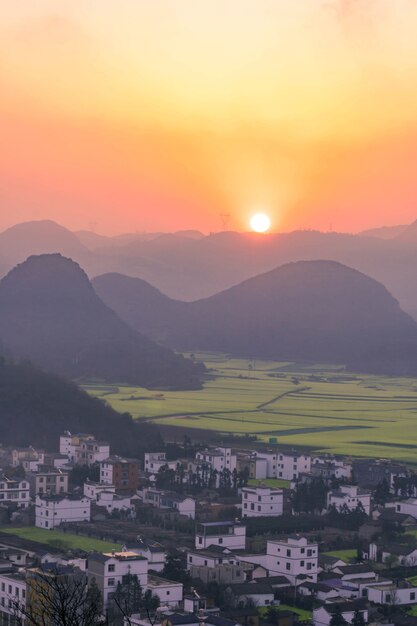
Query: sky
(156, 115)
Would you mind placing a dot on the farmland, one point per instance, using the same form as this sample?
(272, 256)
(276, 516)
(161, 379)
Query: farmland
(323, 407)
(57, 539)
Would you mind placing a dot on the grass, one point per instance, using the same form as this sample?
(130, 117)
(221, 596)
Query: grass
(277, 483)
(320, 406)
(346, 555)
(57, 539)
(303, 614)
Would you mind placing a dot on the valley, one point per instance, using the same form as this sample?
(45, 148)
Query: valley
(322, 407)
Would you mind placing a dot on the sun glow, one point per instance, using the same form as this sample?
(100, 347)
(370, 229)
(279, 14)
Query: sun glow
(260, 222)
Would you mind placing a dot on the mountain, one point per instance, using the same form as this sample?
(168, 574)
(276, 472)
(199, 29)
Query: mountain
(409, 234)
(139, 304)
(36, 407)
(38, 237)
(51, 315)
(319, 311)
(384, 232)
(192, 267)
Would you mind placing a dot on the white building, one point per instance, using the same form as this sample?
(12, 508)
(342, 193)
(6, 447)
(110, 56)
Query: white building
(389, 593)
(230, 535)
(169, 592)
(290, 466)
(262, 501)
(255, 465)
(271, 459)
(218, 458)
(407, 507)
(294, 557)
(109, 569)
(92, 489)
(14, 491)
(12, 595)
(51, 511)
(150, 550)
(155, 460)
(114, 502)
(350, 496)
(83, 449)
(212, 557)
(160, 499)
(48, 479)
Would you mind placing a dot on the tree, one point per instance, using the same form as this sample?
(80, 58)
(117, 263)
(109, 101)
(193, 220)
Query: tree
(127, 598)
(175, 568)
(337, 618)
(382, 492)
(358, 618)
(59, 597)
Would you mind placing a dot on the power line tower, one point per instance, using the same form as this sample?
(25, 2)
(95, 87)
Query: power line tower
(224, 219)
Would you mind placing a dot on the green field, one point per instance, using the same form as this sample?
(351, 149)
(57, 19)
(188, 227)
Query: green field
(319, 406)
(57, 539)
(276, 483)
(348, 556)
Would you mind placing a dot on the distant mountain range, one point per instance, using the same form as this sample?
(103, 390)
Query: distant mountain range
(190, 266)
(317, 311)
(51, 315)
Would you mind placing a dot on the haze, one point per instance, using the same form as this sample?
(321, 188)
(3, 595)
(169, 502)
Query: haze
(164, 115)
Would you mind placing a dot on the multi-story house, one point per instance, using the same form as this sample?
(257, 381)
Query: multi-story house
(14, 491)
(350, 496)
(291, 465)
(48, 479)
(120, 472)
(83, 449)
(218, 458)
(169, 592)
(271, 459)
(256, 466)
(51, 511)
(19, 455)
(151, 550)
(160, 499)
(12, 596)
(262, 501)
(294, 557)
(108, 569)
(155, 460)
(230, 535)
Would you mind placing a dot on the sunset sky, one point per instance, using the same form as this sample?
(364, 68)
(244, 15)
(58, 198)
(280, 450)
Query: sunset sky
(126, 115)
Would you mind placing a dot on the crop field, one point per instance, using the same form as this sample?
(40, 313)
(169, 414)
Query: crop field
(320, 406)
(57, 539)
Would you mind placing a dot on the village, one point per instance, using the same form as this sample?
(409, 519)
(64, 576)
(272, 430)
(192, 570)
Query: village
(216, 535)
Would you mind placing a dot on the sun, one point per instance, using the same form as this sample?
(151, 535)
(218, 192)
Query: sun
(260, 222)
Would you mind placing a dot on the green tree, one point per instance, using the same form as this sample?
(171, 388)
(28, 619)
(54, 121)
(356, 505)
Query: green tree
(358, 618)
(337, 618)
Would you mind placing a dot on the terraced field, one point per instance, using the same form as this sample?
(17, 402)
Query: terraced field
(319, 406)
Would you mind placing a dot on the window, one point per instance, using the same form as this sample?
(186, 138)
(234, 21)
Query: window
(111, 567)
(309, 566)
(413, 595)
(309, 552)
(288, 566)
(111, 582)
(301, 563)
(288, 552)
(168, 593)
(190, 559)
(221, 540)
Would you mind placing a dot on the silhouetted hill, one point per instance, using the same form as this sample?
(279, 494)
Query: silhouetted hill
(50, 314)
(35, 408)
(318, 311)
(409, 234)
(38, 237)
(187, 268)
(139, 304)
(384, 232)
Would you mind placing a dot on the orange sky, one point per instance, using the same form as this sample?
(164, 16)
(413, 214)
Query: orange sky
(162, 114)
